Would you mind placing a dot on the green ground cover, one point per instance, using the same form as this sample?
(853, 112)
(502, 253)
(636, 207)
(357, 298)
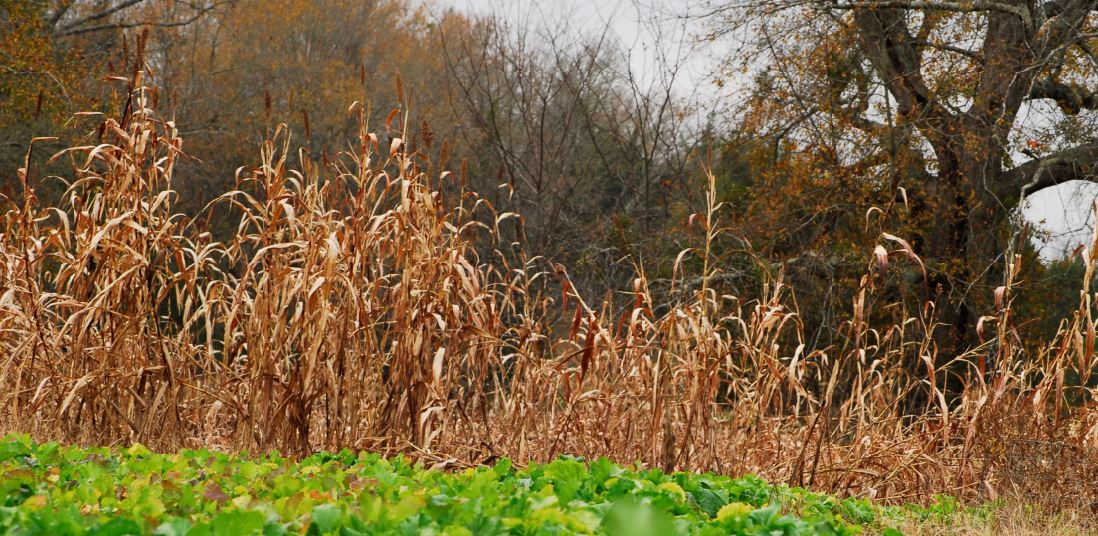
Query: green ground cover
(53, 489)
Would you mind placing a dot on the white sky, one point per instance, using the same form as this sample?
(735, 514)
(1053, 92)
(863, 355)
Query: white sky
(1062, 213)
(636, 24)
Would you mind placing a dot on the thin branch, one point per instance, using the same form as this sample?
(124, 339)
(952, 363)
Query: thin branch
(971, 54)
(64, 30)
(126, 25)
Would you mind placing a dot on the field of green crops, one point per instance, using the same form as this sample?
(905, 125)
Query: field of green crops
(52, 489)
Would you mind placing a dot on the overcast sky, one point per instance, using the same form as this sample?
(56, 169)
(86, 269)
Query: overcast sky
(635, 24)
(1063, 213)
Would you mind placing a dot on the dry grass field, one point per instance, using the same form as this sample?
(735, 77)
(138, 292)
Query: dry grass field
(366, 302)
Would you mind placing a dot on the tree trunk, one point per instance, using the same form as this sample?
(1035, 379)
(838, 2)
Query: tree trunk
(963, 245)
(946, 252)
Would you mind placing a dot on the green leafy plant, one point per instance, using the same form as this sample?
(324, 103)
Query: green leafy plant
(51, 489)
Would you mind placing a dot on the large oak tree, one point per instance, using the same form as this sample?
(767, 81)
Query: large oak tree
(933, 101)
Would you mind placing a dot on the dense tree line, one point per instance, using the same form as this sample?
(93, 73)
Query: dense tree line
(914, 131)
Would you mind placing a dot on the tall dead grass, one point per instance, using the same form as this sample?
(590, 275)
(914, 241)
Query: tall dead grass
(351, 309)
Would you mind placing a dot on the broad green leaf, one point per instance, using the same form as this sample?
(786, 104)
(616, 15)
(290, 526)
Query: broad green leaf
(327, 518)
(173, 527)
(566, 476)
(733, 511)
(237, 522)
(119, 527)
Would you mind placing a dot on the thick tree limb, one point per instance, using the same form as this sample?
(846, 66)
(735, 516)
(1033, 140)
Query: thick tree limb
(1005, 75)
(1077, 163)
(972, 6)
(1071, 98)
(60, 12)
(889, 48)
(1058, 7)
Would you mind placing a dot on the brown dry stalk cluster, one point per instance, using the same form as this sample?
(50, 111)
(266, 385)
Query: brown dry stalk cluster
(351, 309)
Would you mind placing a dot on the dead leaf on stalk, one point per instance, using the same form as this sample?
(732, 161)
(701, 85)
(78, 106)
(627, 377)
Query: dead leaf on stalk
(436, 365)
(882, 258)
(389, 119)
(980, 329)
(869, 213)
(906, 247)
(697, 219)
(72, 394)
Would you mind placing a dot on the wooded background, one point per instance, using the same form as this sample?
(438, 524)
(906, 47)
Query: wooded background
(851, 119)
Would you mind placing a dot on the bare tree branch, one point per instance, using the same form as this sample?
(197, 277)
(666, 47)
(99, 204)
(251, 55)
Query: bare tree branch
(971, 54)
(64, 30)
(80, 26)
(157, 24)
